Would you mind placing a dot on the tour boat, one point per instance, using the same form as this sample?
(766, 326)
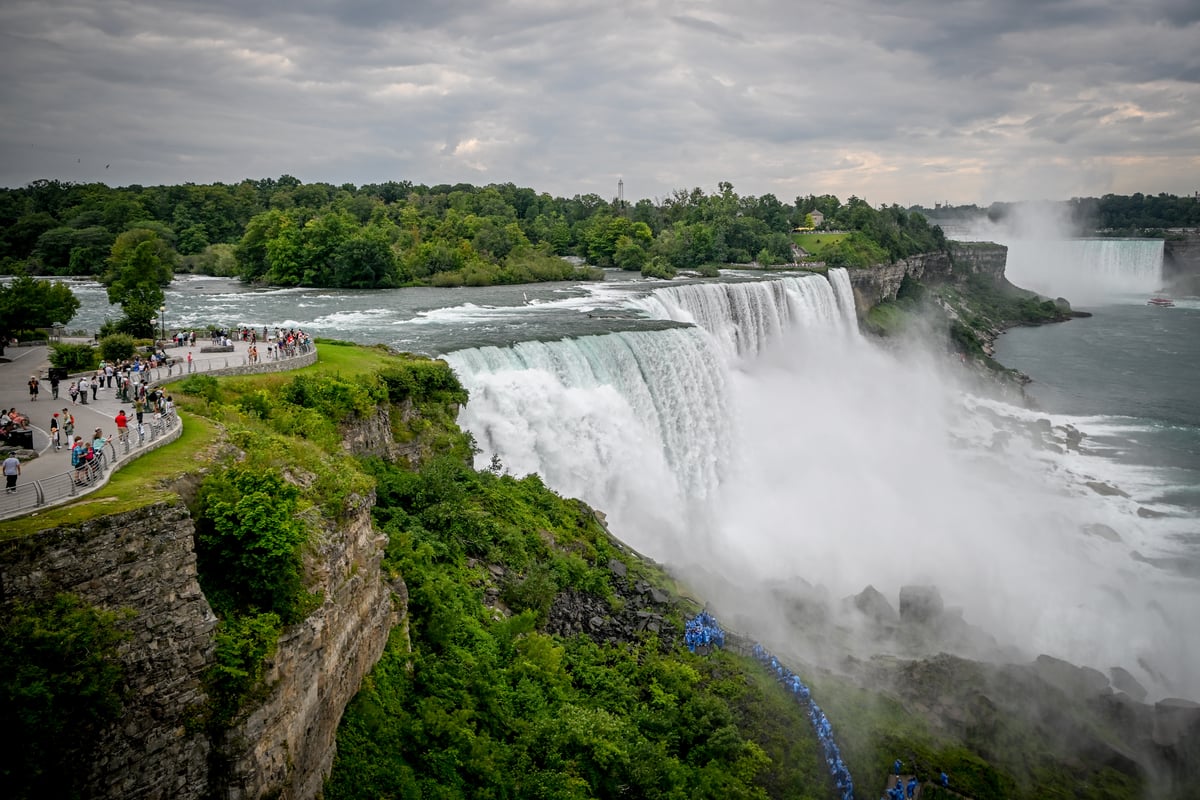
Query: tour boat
(1164, 302)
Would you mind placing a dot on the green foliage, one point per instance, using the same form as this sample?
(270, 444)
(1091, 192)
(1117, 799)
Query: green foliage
(27, 303)
(468, 702)
(117, 347)
(205, 386)
(424, 381)
(248, 544)
(335, 398)
(60, 684)
(74, 357)
(658, 267)
(243, 643)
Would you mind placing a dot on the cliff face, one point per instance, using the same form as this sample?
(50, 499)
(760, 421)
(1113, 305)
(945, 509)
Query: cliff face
(145, 561)
(881, 282)
(142, 561)
(1181, 264)
(285, 747)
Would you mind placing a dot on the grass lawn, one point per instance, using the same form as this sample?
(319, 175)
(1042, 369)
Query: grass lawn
(816, 243)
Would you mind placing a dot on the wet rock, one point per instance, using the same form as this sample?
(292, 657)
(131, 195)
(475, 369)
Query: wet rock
(1146, 513)
(617, 567)
(1101, 530)
(1124, 682)
(871, 602)
(1070, 678)
(1105, 489)
(920, 604)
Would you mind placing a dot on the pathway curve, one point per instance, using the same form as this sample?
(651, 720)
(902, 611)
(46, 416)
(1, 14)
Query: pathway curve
(47, 479)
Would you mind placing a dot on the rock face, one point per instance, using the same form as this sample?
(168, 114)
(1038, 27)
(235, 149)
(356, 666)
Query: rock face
(1181, 263)
(881, 282)
(920, 604)
(142, 561)
(285, 747)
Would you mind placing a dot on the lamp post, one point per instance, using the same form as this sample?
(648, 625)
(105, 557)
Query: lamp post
(162, 323)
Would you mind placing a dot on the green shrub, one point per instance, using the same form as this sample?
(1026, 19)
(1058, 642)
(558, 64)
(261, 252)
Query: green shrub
(117, 347)
(243, 645)
(60, 684)
(248, 544)
(423, 380)
(73, 357)
(205, 386)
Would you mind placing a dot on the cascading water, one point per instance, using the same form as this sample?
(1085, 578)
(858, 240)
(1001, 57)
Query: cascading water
(1087, 271)
(766, 445)
(745, 317)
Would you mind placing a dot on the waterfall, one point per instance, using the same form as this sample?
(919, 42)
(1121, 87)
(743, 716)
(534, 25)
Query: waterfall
(1087, 271)
(746, 317)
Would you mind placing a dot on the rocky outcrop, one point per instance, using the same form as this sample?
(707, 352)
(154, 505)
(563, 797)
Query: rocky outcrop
(142, 561)
(881, 282)
(285, 747)
(145, 561)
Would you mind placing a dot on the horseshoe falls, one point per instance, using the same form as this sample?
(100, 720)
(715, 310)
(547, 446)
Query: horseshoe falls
(1087, 271)
(764, 450)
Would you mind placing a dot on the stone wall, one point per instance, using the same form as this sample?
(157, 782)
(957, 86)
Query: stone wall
(142, 561)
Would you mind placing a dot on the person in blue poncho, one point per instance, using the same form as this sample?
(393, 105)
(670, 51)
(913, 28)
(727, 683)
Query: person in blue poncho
(898, 765)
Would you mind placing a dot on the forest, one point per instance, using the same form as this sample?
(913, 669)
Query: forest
(287, 233)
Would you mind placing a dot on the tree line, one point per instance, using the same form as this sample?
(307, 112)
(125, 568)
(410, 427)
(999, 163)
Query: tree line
(1112, 213)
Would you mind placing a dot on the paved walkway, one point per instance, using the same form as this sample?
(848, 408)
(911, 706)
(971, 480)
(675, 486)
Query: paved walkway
(99, 413)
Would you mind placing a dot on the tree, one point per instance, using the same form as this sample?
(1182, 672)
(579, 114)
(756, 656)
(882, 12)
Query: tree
(135, 287)
(27, 303)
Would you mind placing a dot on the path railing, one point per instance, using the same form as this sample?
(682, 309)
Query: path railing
(31, 495)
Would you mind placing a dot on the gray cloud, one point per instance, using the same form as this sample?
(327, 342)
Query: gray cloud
(897, 102)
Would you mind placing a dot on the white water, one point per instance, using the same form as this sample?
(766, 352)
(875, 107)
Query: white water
(1086, 271)
(772, 445)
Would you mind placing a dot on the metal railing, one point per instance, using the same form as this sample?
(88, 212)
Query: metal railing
(58, 488)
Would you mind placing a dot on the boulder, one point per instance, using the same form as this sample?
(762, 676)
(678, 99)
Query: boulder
(1122, 681)
(1101, 530)
(871, 602)
(920, 604)
(1069, 678)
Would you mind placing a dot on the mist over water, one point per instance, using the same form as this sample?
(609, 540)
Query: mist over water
(804, 456)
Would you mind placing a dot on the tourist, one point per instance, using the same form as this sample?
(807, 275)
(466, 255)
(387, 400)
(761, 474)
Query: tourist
(84, 385)
(945, 779)
(68, 425)
(73, 390)
(55, 433)
(96, 383)
(78, 459)
(12, 470)
(122, 426)
(53, 385)
(898, 765)
(33, 388)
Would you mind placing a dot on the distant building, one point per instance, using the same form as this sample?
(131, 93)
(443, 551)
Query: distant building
(817, 218)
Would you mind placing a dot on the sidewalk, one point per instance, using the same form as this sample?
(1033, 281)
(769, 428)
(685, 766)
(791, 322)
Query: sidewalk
(98, 413)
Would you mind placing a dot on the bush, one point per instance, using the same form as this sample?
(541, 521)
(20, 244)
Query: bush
(60, 684)
(248, 544)
(204, 386)
(73, 357)
(243, 645)
(117, 347)
(658, 267)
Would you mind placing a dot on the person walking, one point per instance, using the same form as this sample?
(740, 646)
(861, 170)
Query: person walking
(55, 433)
(53, 385)
(84, 385)
(33, 388)
(12, 470)
(97, 382)
(122, 426)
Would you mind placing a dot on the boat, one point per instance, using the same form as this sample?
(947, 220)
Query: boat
(1162, 302)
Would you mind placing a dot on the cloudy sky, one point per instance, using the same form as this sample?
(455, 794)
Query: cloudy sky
(907, 101)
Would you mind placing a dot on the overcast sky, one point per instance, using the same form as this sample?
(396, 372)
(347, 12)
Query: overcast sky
(907, 101)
